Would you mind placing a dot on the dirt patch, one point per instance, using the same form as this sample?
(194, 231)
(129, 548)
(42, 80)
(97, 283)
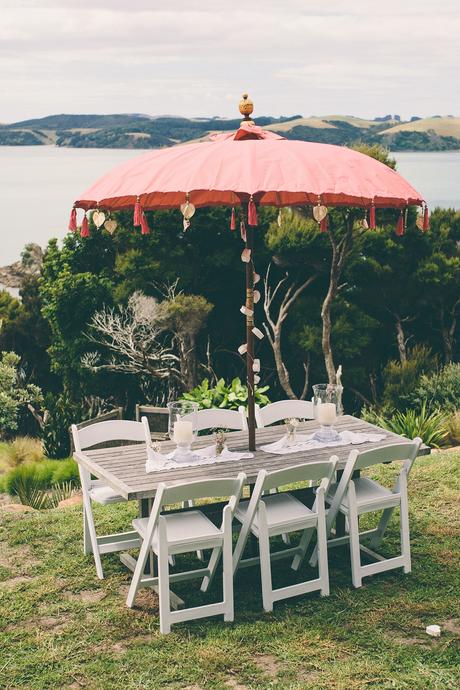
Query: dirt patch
(14, 582)
(235, 685)
(452, 625)
(50, 623)
(267, 663)
(75, 500)
(16, 508)
(147, 600)
(88, 596)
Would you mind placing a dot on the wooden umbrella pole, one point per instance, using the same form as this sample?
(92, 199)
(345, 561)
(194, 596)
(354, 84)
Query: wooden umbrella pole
(250, 338)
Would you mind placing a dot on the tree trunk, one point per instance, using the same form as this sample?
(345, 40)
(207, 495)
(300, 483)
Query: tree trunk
(283, 374)
(448, 345)
(401, 339)
(326, 335)
(188, 363)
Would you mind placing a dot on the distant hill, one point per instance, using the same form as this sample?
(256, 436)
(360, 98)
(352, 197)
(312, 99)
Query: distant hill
(133, 130)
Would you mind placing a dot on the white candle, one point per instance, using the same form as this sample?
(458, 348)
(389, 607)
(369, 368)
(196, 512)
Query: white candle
(183, 432)
(326, 413)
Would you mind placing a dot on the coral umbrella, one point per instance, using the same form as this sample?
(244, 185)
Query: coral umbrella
(249, 168)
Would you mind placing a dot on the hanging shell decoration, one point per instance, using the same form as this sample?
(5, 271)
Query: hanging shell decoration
(319, 212)
(110, 225)
(98, 218)
(188, 211)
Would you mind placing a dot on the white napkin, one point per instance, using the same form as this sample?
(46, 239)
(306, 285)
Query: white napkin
(306, 442)
(202, 456)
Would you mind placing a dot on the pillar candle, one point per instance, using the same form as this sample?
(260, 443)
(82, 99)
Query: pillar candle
(326, 413)
(183, 432)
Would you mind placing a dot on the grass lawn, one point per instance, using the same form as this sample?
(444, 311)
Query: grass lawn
(63, 628)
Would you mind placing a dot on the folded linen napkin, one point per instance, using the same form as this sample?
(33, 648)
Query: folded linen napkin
(306, 442)
(202, 456)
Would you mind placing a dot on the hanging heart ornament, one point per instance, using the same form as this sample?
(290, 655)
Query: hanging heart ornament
(319, 213)
(98, 218)
(110, 225)
(419, 222)
(187, 210)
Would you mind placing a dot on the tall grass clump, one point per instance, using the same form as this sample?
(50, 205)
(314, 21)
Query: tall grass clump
(431, 427)
(21, 451)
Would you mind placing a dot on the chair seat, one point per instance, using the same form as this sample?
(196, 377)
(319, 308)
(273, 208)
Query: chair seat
(369, 495)
(282, 510)
(101, 493)
(183, 528)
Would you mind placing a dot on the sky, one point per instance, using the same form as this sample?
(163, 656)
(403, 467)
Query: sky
(195, 58)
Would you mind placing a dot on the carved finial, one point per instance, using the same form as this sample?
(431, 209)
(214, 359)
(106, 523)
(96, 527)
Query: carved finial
(246, 107)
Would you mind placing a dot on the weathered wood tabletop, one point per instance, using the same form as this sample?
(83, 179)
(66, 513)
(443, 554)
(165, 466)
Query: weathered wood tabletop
(123, 468)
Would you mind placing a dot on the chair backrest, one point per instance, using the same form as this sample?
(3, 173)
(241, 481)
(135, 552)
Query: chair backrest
(232, 487)
(309, 471)
(158, 418)
(396, 452)
(116, 413)
(284, 409)
(105, 432)
(215, 418)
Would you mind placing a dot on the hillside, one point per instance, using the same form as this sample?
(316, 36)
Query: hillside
(137, 131)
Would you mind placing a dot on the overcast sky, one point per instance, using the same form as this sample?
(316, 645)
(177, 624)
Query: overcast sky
(195, 58)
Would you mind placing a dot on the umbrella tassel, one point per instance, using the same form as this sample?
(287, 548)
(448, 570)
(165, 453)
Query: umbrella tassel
(324, 224)
(84, 229)
(243, 231)
(137, 219)
(73, 220)
(252, 213)
(233, 220)
(400, 225)
(372, 220)
(145, 230)
(426, 219)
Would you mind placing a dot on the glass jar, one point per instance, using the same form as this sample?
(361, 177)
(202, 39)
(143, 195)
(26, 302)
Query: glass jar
(327, 407)
(183, 428)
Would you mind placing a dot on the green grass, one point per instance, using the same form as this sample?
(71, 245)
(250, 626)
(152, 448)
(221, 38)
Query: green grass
(62, 628)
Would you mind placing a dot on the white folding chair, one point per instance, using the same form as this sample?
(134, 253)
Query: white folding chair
(356, 496)
(283, 409)
(271, 515)
(216, 418)
(98, 490)
(184, 532)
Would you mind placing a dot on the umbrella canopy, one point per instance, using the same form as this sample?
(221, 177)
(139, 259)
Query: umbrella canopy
(231, 168)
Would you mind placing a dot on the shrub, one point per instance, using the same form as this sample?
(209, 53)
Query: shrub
(431, 427)
(44, 476)
(20, 451)
(454, 427)
(61, 413)
(439, 390)
(229, 396)
(14, 393)
(400, 380)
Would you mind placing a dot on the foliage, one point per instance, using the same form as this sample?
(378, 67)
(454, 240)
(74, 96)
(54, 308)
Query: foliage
(61, 414)
(432, 427)
(440, 389)
(21, 451)
(44, 476)
(400, 379)
(454, 427)
(14, 392)
(230, 396)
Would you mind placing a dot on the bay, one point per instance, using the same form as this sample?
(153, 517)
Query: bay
(39, 183)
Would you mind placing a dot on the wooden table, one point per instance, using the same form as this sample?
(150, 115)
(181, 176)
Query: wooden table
(123, 468)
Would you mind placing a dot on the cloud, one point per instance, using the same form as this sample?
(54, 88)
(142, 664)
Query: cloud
(196, 57)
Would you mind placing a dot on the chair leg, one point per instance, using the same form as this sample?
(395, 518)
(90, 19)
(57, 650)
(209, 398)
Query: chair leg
(376, 538)
(265, 563)
(212, 566)
(303, 546)
(405, 533)
(88, 513)
(163, 578)
(227, 575)
(87, 547)
(323, 566)
(353, 524)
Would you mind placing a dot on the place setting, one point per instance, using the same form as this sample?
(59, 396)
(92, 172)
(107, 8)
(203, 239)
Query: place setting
(183, 429)
(327, 407)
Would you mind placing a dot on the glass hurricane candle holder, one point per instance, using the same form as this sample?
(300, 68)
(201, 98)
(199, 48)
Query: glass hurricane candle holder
(183, 428)
(327, 406)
